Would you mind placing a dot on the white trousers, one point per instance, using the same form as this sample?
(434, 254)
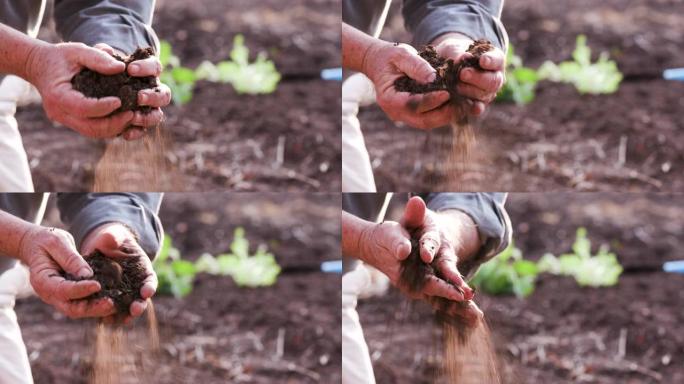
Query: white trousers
(356, 362)
(357, 172)
(15, 174)
(14, 362)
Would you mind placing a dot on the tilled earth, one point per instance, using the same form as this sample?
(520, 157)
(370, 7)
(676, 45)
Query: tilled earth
(563, 333)
(562, 140)
(220, 139)
(221, 333)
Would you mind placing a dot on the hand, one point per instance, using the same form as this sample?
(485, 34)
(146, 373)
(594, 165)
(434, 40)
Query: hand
(48, 252)
(116, 241)
(50, 68)
(154, 98)
(383, 64)
(479, 86)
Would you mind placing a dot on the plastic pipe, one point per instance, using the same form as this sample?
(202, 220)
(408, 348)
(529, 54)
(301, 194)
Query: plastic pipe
(674, 266)
(676, 74)
(334, 266)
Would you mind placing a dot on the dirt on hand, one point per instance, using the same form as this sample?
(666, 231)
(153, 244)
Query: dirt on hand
(120, 279)
(121, 85)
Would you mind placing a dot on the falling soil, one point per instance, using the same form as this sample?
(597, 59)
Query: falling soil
(468, 351)
(447, 79)
(121, 85)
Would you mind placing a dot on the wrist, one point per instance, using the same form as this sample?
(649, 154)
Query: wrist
(455, 38)
(35, 54)
(461, 231)
(116, 229)
(370, 52)
(26, 237)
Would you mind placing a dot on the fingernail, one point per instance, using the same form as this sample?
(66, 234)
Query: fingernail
(431, 77)
(400, 250)
(486, 61)
(143, 98)
(85, 272)
(466, 75)
(134, 67)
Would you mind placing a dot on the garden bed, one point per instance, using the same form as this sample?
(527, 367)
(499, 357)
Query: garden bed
(221, 139)
(220, 332)
(562, 333)
(562, 140)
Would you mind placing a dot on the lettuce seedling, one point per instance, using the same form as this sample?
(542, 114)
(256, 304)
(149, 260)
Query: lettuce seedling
(601, 77)
(521, 81)
(600, 270)
(179, 79)
(507, 273)
(175, 275)
(257, 270)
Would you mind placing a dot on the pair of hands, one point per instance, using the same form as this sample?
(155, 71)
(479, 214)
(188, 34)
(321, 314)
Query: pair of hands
(385, 245)
(49, 251)
(385, 62)
(50, 68)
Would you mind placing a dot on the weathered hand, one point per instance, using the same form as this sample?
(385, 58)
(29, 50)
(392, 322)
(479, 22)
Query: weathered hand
(48, 252)
(154, 98)
(383, 64)
(479, 86)
(116, 241)
(50, 68)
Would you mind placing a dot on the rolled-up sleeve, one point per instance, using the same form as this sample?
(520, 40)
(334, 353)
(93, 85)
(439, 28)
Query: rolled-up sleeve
(83, 212)
(123, 24)
(429, 19)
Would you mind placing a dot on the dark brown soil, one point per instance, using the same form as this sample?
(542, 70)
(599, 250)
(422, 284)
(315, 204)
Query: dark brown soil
(122, 85)
(120, 279)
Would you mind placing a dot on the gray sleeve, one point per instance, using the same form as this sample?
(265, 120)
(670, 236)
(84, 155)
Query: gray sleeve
(429, 19)
(83, 212)
(487, 212)
(123, 24)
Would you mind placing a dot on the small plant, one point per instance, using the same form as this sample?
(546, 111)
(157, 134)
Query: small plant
(521, 81)
(600, 270)
(175, 275)
(259, 77)
(507, 273)
(258, 270)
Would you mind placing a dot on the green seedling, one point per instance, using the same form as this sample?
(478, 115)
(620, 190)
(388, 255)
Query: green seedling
(521, 81)
(175, 275)
(507, 273)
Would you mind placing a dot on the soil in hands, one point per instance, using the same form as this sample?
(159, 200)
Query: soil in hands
(447, 79)
(468, 350)
(121, 85)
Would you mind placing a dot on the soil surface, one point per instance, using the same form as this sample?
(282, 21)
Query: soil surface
(123, 86)
(120, 279)
(287, 333)
(222, 140)
(562, 140)
(629, 333)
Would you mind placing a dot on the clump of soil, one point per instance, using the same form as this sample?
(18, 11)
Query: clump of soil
(120, 279)
(121, 85)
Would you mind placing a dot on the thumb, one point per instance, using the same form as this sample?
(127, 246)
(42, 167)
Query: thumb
(64, 254)
(415, 66)
(100, 61)
(414, 214)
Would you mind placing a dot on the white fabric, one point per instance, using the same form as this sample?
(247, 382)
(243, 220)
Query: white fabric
(357, 172)
(14, 363)
(15, 174)
(356, 363)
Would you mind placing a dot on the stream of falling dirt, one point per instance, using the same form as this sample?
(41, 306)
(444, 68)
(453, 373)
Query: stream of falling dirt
(462, 143)
(471, 360)
(118, 357)
(134, 166)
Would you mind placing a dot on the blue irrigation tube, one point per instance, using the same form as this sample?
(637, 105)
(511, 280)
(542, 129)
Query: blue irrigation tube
(674, 266)
(676, 74)
(332, 74)
(334, 266)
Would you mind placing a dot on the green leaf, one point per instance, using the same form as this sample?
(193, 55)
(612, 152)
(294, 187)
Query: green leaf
(183, 75)
(507, 273)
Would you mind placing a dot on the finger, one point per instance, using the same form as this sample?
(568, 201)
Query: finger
(149, 119)
(99, 61)
(477, 108)
(493, 60)
(75, 103)
(149, 287)
(100, 128)
(427, 102)
(466, 312)
(133, 133)
(395, 241)
(429, 244)
(446, 265)
(63, 252)
(157, 97)
(487, 81)
(89, 308)
(65, 290)
(138, 307)
(146, 67)
(414, 66)
(438, 287)
(414, 213)
(454, 51)
(433, 119)
(474, 93)
(104, 47)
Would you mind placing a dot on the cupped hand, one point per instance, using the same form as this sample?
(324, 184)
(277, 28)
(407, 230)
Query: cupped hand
(479, 86)
(154, 98)
(115, 240)
(384, 63)
(51, 67)
(49, 252)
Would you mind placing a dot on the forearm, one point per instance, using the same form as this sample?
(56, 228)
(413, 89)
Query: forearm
(352, 230)
(15, 51)
(355, 47)
(12, 231)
